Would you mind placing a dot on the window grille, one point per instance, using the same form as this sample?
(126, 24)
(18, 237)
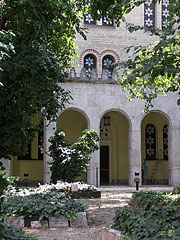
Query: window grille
(165, 14)
(89, 64)
(88, 19)
(149, 14)
(150, 138)
(165, 142)
(107, 64)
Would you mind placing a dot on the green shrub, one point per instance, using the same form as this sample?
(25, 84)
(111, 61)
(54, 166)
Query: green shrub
(44, 202)
(5, 181)
(70, 160)
(158, 219)
(146, 200)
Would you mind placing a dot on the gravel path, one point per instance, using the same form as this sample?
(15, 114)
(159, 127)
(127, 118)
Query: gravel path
(100, 215)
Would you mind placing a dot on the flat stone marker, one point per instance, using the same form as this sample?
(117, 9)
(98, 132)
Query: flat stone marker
(81, 221)
(14, 221)
(39, 224)
(57, 222)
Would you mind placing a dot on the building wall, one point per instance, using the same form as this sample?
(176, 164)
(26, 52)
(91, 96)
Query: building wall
(100, 96)
(96, 100)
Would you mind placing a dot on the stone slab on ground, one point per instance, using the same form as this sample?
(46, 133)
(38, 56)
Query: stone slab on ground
(58, 222)
(39, 224)
(112, 234)
(81, 221)
(14, 221)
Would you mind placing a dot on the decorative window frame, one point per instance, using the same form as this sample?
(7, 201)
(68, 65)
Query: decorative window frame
(149, 14)
(165, 142)
(88, 73)
(150, 142)
(88, 16)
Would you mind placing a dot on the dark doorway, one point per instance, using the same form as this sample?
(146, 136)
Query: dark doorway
(104, 165)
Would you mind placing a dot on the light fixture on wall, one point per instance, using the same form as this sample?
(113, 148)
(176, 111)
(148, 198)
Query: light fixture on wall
(106, 121)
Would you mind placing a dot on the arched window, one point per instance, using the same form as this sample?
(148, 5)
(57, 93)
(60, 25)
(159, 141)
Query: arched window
(149, 14)
(165, 142)
(88, 19)
(150, 137)
(107, 64)
(165, 14)
(89, 64)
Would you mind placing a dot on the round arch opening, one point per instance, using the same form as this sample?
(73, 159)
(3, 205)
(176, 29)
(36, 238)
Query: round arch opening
(114, 159)
(154, 149)
(73, 123)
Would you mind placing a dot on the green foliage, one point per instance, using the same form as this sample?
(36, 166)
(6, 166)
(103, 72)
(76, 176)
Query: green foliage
(154, 216)
(70, 160)
(13, 233)
(44, 35)
(5, 44)
(5, 181)
(44, 202)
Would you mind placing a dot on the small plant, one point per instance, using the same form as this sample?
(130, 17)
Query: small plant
(70, 160)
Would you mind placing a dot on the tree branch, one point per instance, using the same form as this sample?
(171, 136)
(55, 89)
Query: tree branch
(7, 16)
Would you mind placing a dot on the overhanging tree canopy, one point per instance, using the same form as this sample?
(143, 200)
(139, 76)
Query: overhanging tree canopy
(44, 46)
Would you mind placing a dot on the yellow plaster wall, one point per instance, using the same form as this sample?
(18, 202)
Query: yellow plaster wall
(33, 167)
(73, 123)
(119, 155)
(158, 121)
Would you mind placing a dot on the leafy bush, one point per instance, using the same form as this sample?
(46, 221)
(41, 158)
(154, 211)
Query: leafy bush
(13, 233)
(158, 219)
(146, 200)
(44, 201)
(70, 160)
(5, 180)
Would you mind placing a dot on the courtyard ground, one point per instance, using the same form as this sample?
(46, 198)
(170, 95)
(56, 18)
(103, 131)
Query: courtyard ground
(100, 214)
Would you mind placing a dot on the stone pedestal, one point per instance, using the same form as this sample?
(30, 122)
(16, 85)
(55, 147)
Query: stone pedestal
(57, 222)
(14, 221)
(81, 221)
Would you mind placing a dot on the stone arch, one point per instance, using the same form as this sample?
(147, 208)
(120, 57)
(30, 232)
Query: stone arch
(110, 53)
(158, 168)
(120, 111)
(89, 51)
(115, 168)
(74, 120)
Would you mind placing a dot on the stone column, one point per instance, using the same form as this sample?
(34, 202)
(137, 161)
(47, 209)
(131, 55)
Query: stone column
(134, 150)
(93, 171)
(174, 155)
(49, 131)
(7, 165)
